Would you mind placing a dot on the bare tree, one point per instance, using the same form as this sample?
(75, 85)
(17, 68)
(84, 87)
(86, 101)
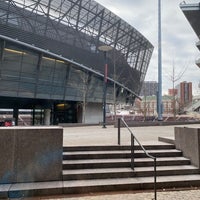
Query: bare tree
(82, 86)
(86, 79)
(174, 78)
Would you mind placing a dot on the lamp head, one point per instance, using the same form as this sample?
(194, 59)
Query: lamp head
(105, 48)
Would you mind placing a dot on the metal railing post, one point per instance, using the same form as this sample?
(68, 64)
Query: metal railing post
(155, 175)
(132, 152)
(133, 139)
(119, 126)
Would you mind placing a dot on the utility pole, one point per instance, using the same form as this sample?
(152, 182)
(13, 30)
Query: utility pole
(159, 103)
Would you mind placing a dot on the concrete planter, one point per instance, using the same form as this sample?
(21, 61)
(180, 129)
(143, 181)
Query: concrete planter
(30, 154)
(188, 141)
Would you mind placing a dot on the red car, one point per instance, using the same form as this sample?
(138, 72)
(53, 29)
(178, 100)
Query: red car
(7, 122)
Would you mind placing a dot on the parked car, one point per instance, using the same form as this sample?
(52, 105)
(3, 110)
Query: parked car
(7, 122)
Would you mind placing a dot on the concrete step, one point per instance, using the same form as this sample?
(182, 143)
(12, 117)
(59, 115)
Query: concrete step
(123, 162)
(119, 154)
(138, 183)
(22, 190)
(116, 147)
(105, 173)
(169, 140)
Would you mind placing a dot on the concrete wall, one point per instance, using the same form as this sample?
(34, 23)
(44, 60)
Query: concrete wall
(157, 123)
(30, 154)
(47, 117)
(94, 113)
(188, 141)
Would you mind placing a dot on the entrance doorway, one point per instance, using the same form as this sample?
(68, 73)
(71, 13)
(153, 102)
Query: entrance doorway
(65, 112)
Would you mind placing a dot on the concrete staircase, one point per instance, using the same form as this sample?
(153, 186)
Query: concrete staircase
(89, 169)
(107, 168)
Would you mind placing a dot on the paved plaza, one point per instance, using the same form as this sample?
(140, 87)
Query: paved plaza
(96, 135)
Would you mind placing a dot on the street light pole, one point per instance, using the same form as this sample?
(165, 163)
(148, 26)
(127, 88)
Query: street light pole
(159, 103)
(105, 49)
(114, 92)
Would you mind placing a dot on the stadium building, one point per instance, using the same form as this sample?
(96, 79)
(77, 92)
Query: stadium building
(50, 59)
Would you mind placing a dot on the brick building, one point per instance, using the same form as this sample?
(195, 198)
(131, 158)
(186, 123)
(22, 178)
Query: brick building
(184, 93)
(172, 92)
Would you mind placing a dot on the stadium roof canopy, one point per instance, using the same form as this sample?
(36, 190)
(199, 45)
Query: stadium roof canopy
(86, 16)
(95, 24)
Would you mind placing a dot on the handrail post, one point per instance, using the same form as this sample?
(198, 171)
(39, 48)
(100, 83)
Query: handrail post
(155, 175)
(119, 126)
(133, 139)
(132, 152)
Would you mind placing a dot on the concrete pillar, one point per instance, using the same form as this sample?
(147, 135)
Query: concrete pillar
(33, 117)
(47, 117)
(93, 113)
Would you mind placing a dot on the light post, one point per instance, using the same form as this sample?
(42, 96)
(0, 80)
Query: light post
(105, 49)
(159, 102)
(114, 92)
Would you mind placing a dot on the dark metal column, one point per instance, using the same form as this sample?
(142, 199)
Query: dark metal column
(105, 49)
(105, 89)
(16, 115)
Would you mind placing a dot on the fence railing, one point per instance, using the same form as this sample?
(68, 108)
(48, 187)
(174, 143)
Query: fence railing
(133, 139)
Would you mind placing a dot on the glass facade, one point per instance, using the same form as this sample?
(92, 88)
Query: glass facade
(28, 74)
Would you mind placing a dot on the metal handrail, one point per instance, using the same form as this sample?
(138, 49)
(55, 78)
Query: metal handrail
(133, 138)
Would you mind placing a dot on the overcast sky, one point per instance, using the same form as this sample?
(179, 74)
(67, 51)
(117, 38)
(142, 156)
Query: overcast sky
(178, 38)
